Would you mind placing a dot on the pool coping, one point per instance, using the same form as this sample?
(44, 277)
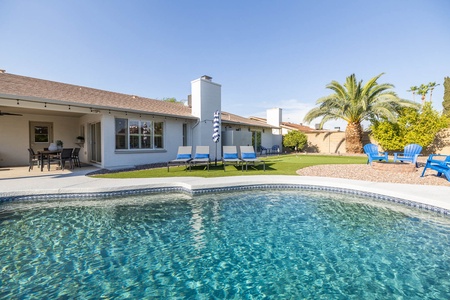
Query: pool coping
(425, 197)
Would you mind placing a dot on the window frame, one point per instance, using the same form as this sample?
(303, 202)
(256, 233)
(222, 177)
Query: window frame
(134, 134)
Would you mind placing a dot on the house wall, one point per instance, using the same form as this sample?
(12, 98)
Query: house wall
(117, 159)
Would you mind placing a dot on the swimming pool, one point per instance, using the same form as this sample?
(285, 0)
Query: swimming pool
(258, 244)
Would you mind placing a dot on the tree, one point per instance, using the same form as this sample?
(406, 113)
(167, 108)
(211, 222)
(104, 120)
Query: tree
(413, 89)
(446, 102)
(295, 139)
(423, 90)
(356, 103)
(413, 126)
(172, 100)
(431, 86)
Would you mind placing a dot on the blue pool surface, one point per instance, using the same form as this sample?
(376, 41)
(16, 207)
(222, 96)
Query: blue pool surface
(253, 245)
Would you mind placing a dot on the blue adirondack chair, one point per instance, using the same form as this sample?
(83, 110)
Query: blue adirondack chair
(373, 154)
(410, 153)
(439, 163)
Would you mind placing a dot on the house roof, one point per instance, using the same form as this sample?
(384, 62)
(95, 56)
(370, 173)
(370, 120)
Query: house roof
(229, 118)
(40, 90)
(299, 127)
(45, 90)
(288, 125)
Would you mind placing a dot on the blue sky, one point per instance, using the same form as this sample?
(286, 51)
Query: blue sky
(265, 54)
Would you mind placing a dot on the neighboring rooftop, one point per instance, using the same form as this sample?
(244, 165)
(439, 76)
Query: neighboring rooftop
(287, 125)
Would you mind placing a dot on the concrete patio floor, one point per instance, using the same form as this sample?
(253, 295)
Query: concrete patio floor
(19, 182)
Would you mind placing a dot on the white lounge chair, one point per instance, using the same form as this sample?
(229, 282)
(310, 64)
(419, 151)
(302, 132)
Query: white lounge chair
(201, 156)
(230, 156)
(184, 156)
(248, 156)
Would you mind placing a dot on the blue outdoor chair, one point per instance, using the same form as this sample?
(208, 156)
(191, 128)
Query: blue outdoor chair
(373, 154)
(439, 163)
(410, 153)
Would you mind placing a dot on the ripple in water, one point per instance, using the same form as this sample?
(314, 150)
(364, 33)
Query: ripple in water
(259, 244)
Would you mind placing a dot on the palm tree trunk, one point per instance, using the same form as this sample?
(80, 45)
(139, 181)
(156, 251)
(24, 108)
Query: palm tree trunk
(353, 138)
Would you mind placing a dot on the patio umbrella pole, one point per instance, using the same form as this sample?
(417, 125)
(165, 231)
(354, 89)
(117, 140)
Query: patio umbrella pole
(216, 134)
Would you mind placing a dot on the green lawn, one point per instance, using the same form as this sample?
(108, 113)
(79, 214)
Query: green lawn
(275, 165)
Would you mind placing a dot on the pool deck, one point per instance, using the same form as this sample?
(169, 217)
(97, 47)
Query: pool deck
(19, 182)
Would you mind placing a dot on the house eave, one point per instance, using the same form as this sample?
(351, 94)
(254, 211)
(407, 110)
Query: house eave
(91, 108)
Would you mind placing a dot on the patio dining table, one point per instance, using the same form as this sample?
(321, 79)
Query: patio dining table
(47, 154)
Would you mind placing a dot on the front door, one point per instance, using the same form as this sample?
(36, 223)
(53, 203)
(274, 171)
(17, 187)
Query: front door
(95, 142)
(41, 135)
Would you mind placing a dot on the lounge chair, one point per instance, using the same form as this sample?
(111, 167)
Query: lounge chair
(373, 154)
(201, 156)
(410, 153)
(230, 156)
(439, 163)
(184, 156)
(248, 156)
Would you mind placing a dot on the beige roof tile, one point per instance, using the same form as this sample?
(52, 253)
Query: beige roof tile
(11, 84)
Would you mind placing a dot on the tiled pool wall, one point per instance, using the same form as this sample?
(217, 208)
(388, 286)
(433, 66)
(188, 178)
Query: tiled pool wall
(124, 193)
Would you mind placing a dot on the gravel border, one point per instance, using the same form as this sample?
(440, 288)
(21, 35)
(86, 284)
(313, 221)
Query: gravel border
(366, 172)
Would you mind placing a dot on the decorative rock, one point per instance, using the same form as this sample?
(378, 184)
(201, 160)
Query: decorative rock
(399, 167)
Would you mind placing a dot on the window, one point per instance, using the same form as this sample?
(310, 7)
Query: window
(41, 134)
(139, 134)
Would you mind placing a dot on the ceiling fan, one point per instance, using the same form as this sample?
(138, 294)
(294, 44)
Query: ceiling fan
(8, 114)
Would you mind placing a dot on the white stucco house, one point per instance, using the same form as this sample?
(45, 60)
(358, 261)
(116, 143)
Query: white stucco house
(119, 130)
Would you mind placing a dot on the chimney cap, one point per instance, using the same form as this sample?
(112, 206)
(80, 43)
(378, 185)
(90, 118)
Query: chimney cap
(206, 77)
(2, 71)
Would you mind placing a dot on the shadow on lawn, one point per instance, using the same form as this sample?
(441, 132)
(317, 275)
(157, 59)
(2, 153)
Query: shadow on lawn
(232, 168)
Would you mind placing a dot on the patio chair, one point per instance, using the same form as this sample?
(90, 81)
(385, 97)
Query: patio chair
(184, 156)
(275, 149)
(34, 158)
(230, 156)
(410, 153)
(201, 156)
(373, 154)
(262, 149)
(76, 157)
(439, 163)
(63, 157)
(248, 156)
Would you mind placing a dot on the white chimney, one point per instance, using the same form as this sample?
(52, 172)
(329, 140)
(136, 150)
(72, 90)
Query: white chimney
(205, 100)
(274, 116)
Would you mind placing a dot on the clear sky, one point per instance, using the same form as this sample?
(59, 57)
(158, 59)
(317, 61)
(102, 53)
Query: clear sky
(265, 54)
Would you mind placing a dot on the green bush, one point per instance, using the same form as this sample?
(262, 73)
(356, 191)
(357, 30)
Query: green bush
(413, 126)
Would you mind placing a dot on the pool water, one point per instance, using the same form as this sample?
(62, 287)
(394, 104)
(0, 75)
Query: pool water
(254, 245)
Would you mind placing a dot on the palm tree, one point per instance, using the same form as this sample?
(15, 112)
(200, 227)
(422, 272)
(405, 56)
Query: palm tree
(413, 89)
(423, 91)
(355, 103)
(431, 86)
